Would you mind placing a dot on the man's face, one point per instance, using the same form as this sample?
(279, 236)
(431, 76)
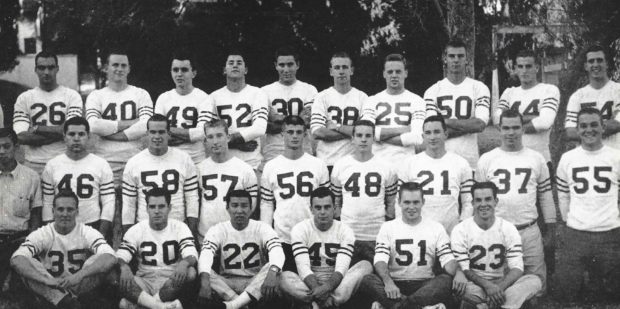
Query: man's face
(158, 135)
(411, 203)
(484, 203)
(526, 69)
(216, 140)
(158, 210)
(65, 211)
(7, 150)
(596, 64)
(590, 129)
(434, 135)
(322, 210)
(363, 138)
(287, 69)
(293, 136)
(456, 59)
(235, 67)
(511, 131)
(395, 74)
(46, 69)
(182, 73)
(239, 209)
(76, 138)
(341, 70)
(118, 68)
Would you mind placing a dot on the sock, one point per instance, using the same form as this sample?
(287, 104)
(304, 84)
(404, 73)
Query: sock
(157, 298)
(242, 300)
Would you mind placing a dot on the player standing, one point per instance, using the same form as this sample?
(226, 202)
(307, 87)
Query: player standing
(537, 102)
(220, 174)
(187, 108)
(160, 166)
(601, 93)
(445, 177)
(287, 96)
(287, 183)
(84, 173)
(398, 113)
(462, 101)
(40, 113)
(334, 112)
(118, 114)
(365, 188)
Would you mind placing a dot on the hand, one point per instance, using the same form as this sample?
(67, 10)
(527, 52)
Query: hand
(495, 295)
(70, 281)
(392, 291)
(306, 114)
(52, 282)
(205, 292)
(269, 289)
(459, 283)
(179, 275)
(332, 125)
(126, 278)
(328, 303)
(247, 147)
(321, 293)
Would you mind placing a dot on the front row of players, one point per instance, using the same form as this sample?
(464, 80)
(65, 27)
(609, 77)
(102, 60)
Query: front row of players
(241, 259)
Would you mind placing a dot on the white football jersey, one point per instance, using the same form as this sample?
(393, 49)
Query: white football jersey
(173, 171)
(241, 253)
(392, 111)
(469, 99)
(322, 252)
(487, 252)
(39, 107)
(157, 252)
(283, 101)
(105, 107)
(342, 109)
(606, 99)
(246, 113)
(90, 178)
(410, 250)
(588, 188)
(286, 186)
(63, 255)
(364, 187)
(191, 112)
(216, 180)
(522, 179)
(445, 181)
(541, 101)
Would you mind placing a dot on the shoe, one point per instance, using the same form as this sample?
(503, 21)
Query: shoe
(376, 305)
(435, 306)
(175, 304)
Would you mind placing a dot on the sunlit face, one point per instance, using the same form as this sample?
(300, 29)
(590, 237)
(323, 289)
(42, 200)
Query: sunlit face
(526, 70)
(341, 70)
(484, 203)
(590, 129)
(411, 203)
(596, 65)
(76, 138)
(65, 212)
(46, 69)
(293, 136)
(434, 135)
(511, 132)
(216, 140)
(456, 59)
(363, 138)
(239, 209)
(394, 73)
(323, 211)
(182, 73)
(118, 68)
(287, 69)
(7, 150)
(235, 67)
(158, 136)
(157, 210)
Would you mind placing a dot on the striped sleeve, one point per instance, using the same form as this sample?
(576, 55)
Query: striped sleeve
(300, 251)
(572, 108)
(259, 117)
(563, 187)
(250, 184)
(369, 110)
(273, 245)
(130, 195)
(210, 246)
(545, 195)
(97, 243)
(514, 249)
(382, 247)
(206, 113)
(482, 104)
(345, 252)
(47, 188)
(186, 242)
(128, 248)
(145, 111)
(21, 114)
(466, 182)
(442, 247)
(502, 105)
(458, 243)
(190, 189)
(430, 101)
(318, 118)
(98, 125)
(107, 195)
(267, 200)
(35, 244)
(548, 109)
(75, 107)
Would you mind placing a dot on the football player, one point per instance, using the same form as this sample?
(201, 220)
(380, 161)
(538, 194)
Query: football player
(84, 173)
(40, 113)
(462, 101)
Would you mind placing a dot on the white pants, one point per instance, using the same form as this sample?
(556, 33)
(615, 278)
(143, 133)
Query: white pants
(229, 286)
(521, 290)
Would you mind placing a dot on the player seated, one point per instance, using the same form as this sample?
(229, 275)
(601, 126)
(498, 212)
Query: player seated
(63, 259)
(323, 249)
(166, 256)
(242, 245)
(405, 255)
(489, 251)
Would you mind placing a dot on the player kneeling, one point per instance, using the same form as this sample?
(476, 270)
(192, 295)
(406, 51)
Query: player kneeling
(166, 257)
(63, 259)
(242, 245)
(323, 249)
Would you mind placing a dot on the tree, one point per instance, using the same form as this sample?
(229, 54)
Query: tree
(9, 12)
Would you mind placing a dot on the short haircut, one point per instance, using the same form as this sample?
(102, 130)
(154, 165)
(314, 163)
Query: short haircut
(322, 192)
(66, 193)
(293, 120)
(456, 43)
(217, 123)
(596, 48)
(484, 185)
(76, 121)
(287, 51)
(364, 122)
(45, 54)
(436, 118)
(526, 53)
(395, 57)
(238, 193)
(510, 113)
(155, 192)
(158, 118)
(183, 54)
(410, 187)
(116, 51)
(10, 133)
(590, 111)
(341, 54)
(235, 51)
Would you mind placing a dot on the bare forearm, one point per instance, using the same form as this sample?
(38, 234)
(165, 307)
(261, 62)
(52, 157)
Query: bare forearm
(118, 136)
(510, 278)
(388, 133)
(329, 135)
(179, 133)
(311, 281)
(612, 126)
(31, 139)
(124, 124)
(102, 264)
(479, 281)
(35, 218)
(381, 268)
(24, 266)
(472, 125)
